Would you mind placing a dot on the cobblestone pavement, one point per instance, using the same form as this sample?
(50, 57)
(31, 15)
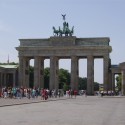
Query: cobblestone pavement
(24, 100)
(90, 110)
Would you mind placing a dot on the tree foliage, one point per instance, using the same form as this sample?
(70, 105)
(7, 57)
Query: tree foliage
(82, 83)
(65, 87)
(46, 77)
(31, 76)
(96, 86)
(118, 82)
(64, 78)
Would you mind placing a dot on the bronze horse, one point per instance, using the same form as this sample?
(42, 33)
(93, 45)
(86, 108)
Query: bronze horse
(55, 32)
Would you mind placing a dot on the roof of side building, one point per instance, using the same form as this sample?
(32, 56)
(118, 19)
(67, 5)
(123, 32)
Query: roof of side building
(9, 66)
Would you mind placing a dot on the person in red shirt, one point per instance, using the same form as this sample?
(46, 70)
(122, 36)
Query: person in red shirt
(75, 93)
(69, 93)
(42, 94)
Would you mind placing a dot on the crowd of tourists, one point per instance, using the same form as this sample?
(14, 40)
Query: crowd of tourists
(19, 93)
(44, 94)
(107, 93)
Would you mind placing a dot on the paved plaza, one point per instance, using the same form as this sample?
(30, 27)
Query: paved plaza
(91, 110)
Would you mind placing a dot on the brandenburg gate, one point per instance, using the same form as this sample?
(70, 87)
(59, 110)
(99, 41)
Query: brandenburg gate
(63, 47)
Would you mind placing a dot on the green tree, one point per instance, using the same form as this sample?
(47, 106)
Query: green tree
(46, 77)
(82, 83)
(64, 78)
(31, 76)
(96, 86)
(65, 87)
(118, 82)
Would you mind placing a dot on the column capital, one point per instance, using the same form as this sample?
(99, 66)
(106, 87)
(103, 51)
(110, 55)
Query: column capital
(123, 71)
(24, 57)
(90, 57)
(54, 57)
(106, 56)
(39, 57)
(74, 57)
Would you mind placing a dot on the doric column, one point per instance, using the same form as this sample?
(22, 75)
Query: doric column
(39, 72)
(0, 80)
(54, 67)
(106, 71)
(109, 75)
(14, 80)
(36, 71)
(20, 77)
(26, 72)
(74, 73)
(123, 82)
(113, 82)
(110, 80)
(5, 79)
(90, 75)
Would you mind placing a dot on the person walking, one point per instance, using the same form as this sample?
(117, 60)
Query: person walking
(42, 94)
(75, 93)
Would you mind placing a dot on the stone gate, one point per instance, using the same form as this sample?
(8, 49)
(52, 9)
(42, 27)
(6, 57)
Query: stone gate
(66, 47)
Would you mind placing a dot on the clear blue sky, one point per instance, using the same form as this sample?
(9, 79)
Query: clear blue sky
(35, 18)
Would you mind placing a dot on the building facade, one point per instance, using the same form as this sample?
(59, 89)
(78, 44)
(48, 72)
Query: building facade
(8, 75)
(115, 70)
